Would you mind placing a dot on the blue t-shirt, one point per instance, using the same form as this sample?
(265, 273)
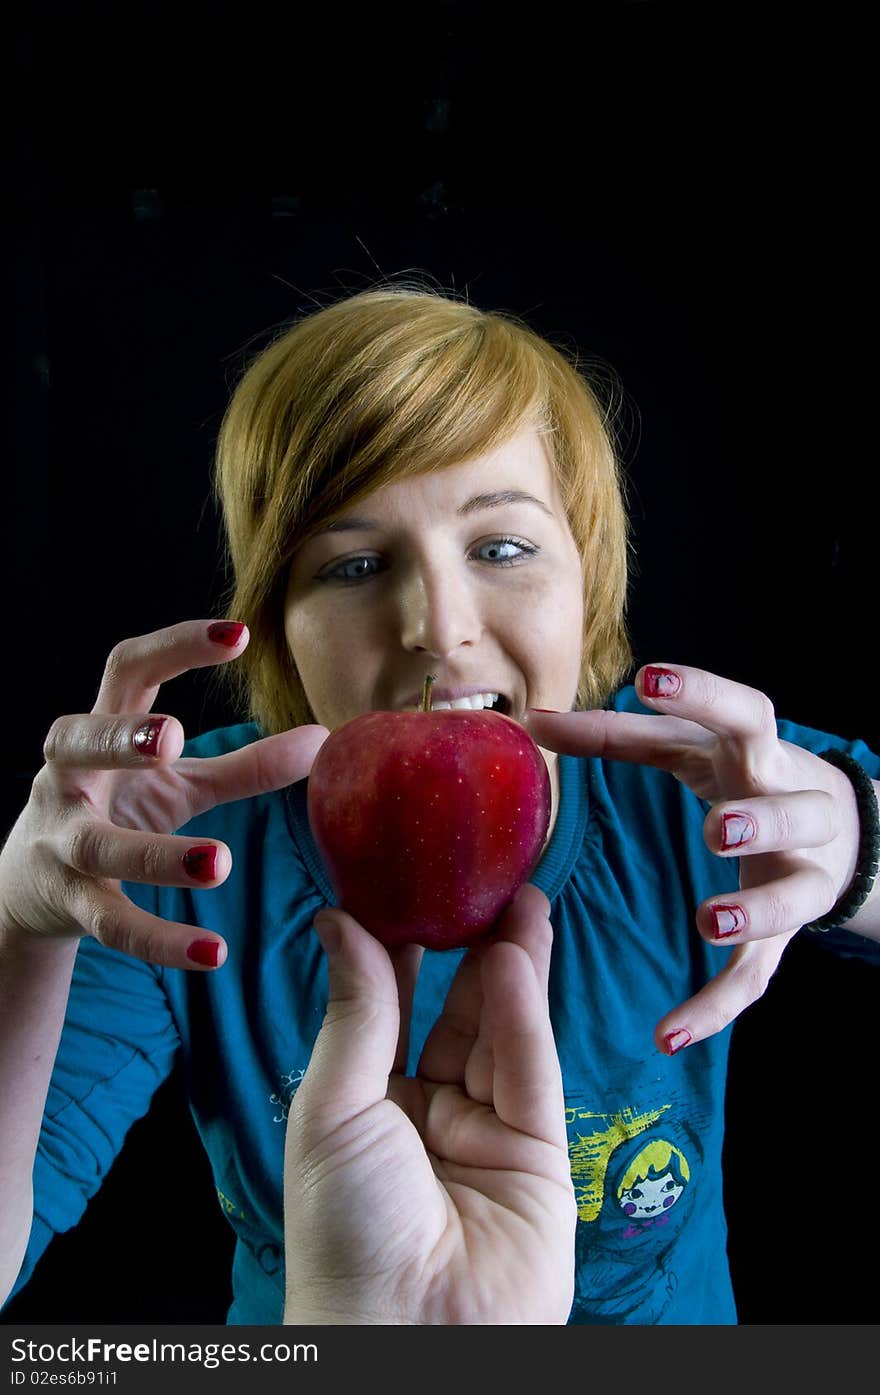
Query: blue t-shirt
(624, 871)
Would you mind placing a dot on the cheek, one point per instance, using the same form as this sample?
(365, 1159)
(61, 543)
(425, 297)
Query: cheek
(560, 591)
(550, 600)
(302, 634)
(550, 620)
(317, 648)
(336, 659)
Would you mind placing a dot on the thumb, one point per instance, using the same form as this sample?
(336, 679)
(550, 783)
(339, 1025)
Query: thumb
(355, 1048)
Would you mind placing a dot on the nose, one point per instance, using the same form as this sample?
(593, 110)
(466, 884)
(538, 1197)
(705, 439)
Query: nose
(439, 612)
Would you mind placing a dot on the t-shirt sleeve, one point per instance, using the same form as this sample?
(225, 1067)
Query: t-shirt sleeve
(118, 1044)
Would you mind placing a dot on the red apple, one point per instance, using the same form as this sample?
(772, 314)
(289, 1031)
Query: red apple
(428, 822)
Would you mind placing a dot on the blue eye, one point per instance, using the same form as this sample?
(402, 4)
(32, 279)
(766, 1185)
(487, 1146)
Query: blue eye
(499, 551)
(354, 569)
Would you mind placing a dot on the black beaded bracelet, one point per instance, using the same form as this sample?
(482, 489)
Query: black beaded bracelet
(869, 843)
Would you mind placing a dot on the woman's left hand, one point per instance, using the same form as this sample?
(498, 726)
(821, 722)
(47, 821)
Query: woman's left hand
(788, 815)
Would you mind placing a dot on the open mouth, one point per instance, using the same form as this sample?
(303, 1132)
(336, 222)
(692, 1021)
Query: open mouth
(476, 702)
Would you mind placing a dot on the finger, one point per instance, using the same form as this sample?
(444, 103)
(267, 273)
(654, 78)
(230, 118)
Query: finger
(451, 1040)
(740, 983)
(800, 819)
(525, 923)
(99, 849)
(448, 1051)
(407, 960)
(527, 1084)
(272, 763)
(115, 921)
(772, 909)
(720, 705)
(137, 667)
(354, 1051)
(90, 741)
(629, 736)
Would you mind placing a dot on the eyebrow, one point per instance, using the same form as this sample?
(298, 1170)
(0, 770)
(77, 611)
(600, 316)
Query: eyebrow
(500, 497)
(494, 500)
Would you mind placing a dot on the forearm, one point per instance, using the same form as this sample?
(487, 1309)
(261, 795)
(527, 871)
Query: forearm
(34, 987)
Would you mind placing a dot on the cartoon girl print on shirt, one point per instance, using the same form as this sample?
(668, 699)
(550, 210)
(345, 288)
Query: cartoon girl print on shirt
(652, 1184)
(635, 1191)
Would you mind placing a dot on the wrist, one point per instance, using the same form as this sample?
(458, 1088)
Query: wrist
(301, 1315)
(862, 877)
(26, 947)
(328, 1305)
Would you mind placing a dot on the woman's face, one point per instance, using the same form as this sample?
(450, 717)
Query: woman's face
(470, 574)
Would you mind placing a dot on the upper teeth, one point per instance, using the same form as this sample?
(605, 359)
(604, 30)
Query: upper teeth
(475, 703)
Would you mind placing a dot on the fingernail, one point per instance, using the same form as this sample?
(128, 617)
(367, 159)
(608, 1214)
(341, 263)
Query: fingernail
(543, 709)
(226, 632)
(729, 920)
(328, 932)
(660, 682)
(737, 829)
(201, 864)
(205, 952)
(674, 1041)
(146, 738)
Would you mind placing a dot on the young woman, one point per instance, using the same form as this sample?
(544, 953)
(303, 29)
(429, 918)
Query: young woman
(411, 485)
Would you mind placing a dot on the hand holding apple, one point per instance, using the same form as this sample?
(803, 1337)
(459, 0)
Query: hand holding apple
(445, 1197)
(429, 821)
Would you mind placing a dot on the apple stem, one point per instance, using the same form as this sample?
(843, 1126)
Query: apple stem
(426, 691)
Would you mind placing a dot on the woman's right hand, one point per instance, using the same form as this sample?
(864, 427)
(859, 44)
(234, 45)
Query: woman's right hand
(113, 787)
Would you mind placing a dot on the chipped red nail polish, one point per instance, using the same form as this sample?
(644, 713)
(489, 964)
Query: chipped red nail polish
(204, 952)
(201, 863)
(737, 829)
(226, 632)
(674, 1041)
(660, 683)
(146, 738)
(729, 920)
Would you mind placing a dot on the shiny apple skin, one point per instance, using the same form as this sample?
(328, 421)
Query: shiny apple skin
(428, 822)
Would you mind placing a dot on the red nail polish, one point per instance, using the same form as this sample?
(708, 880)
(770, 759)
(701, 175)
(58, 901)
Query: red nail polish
(675, 1040)
(205, 952)
(737, 829)
(201, 863)
(729, 920)
(660, 683)
(226, 632)
(146, 739)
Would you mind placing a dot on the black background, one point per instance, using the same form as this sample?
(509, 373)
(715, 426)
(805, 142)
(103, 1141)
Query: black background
(675, 189)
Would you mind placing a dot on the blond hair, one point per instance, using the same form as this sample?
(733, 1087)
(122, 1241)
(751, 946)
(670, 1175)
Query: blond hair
(385, 384)
(657, 1157)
